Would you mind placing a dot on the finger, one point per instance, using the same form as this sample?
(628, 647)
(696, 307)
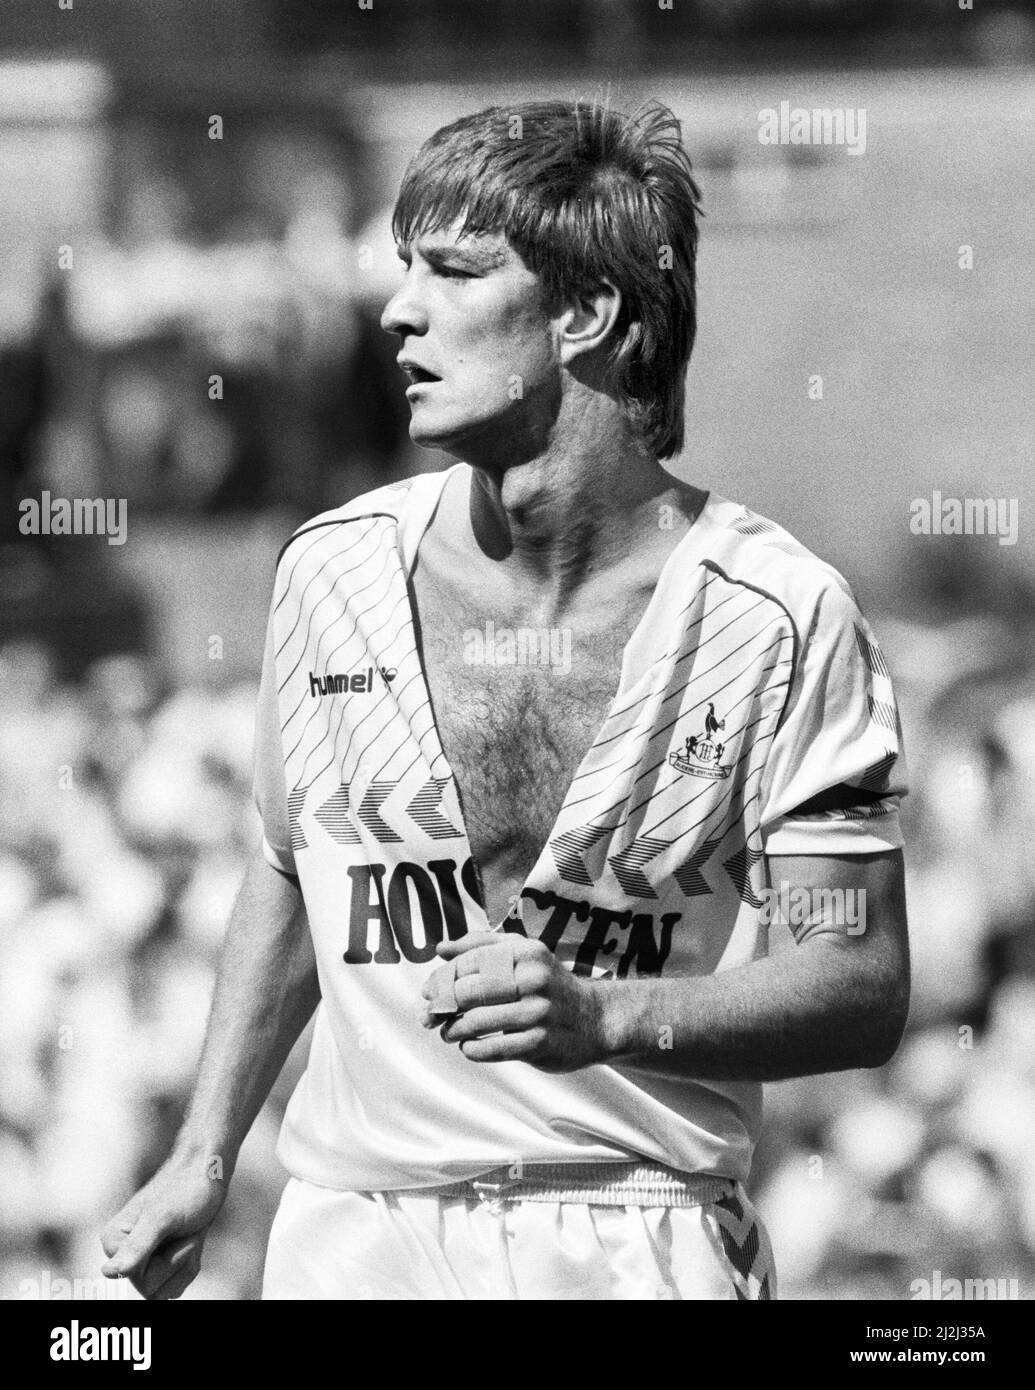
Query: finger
(168, 1261)
(175, 1286)
(484, 991)
(120, 1225)
(488, 958)
(440, 990)
(506, 1018)
(154, 1274)
(114, 1234)
(134, 1249)
(507, 1047)
(186, 1263)
(492, 973)
(449, 950)
(186, 1249)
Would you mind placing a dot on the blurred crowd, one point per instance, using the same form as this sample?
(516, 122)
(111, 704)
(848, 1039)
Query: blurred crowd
(873, 1181)
(125, 820)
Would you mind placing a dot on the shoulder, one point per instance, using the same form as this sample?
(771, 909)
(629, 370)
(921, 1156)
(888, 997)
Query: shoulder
(386, 504)
(750, 549)
(400, 511)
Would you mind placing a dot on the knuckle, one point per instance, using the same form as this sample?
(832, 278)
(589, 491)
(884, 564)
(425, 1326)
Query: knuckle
(536, 975)
(536, 1011)
(467, 991)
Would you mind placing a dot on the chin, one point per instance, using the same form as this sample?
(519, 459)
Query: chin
(444, 442)
(447, 439)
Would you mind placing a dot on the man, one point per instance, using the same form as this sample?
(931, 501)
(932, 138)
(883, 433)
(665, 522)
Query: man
(536, 891)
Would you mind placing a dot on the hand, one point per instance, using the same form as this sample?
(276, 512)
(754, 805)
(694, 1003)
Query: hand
(156, 1239)
(515, 1001)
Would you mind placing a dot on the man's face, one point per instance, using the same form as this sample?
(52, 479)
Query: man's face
(476, 343)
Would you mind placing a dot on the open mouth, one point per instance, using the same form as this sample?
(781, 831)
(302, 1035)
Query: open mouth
(417, 376)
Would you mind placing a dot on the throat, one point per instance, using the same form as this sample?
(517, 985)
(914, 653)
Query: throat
(552, 535)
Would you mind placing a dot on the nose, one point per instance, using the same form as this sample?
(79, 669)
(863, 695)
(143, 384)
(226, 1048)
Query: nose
(403, 314)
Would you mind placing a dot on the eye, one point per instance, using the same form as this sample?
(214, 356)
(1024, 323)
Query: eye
(454, 272)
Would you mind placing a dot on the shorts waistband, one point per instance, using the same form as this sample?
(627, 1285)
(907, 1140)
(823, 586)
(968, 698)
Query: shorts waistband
(589, 1184)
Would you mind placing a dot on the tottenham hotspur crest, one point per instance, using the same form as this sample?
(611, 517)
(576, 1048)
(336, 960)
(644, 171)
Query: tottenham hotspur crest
(702, 754)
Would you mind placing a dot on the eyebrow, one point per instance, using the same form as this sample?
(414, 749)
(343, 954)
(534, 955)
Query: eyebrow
(479, 257)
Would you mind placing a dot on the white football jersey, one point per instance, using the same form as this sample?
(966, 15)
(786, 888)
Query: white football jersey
(753, 716)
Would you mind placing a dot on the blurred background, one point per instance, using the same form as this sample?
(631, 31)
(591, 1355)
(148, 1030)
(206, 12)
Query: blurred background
(194, 250)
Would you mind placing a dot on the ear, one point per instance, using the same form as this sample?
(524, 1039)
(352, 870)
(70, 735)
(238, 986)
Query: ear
(588, 320)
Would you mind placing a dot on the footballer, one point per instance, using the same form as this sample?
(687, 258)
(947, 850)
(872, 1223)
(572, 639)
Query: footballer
(523, 896)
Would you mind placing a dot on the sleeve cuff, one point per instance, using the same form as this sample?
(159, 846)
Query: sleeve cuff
(828, 835)
(284, 862)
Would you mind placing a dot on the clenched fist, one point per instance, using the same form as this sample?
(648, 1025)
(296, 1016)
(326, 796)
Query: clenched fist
(506, 998)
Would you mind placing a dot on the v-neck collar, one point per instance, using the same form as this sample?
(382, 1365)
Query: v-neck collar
(687, 552)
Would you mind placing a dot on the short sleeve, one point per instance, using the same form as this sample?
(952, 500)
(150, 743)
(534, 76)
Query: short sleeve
(269, 785)
(836, 769)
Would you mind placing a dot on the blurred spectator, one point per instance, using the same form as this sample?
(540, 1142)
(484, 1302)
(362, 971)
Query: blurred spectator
(872, 1181)
(125, 820)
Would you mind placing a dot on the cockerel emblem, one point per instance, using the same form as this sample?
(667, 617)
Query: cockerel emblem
(702, 753)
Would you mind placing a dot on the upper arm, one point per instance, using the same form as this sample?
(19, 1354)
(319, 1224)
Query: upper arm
(835, 770)
(855, 903)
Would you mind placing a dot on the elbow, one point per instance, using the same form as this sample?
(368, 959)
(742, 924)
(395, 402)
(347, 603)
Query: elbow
(885, 1024)
(883, 1046)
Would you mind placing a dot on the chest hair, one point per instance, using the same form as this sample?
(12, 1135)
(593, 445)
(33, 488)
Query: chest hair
(514, 738)
(515, 732)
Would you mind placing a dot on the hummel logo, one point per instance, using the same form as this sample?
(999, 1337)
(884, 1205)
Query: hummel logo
(359, 683)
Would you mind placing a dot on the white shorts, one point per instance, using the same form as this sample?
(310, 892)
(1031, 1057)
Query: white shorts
(327, 1244)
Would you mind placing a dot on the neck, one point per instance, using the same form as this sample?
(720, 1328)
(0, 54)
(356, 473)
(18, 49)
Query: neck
(576, 507)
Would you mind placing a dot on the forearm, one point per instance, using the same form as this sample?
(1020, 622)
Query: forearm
(266, 991)
(821, 1007)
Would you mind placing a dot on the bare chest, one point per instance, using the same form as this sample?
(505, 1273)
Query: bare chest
(516, 711)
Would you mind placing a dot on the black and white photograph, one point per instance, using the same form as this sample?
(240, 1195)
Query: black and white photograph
(517, 681)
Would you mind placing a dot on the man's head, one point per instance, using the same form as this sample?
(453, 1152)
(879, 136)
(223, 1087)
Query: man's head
(540, 235)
